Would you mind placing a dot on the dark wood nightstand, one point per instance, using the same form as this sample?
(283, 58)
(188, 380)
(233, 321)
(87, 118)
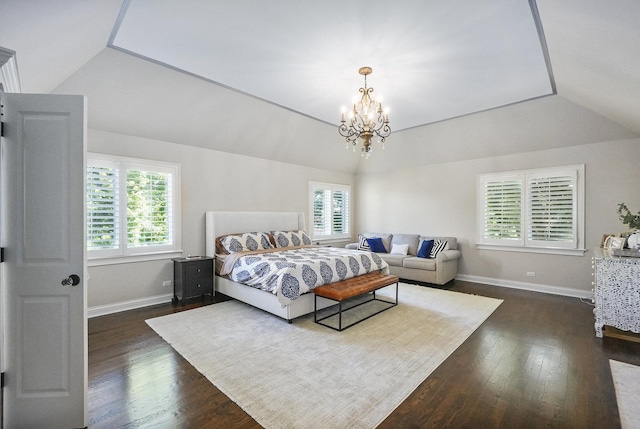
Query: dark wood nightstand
(192, 277)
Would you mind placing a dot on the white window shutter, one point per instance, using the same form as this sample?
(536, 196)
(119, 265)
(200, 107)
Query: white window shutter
(502, 211)
(330, 208)
(552, 210)
(103, 206)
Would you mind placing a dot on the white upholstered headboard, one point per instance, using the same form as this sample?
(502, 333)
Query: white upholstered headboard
(221, 223)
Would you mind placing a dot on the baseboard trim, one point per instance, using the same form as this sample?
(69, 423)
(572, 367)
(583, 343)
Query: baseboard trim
(533, 287)
(102, 310)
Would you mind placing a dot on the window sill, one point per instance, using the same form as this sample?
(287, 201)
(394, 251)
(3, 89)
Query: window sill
(95, 262)
(545, 250)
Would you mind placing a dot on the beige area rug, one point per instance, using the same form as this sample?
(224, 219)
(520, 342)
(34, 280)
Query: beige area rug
(626, 379)
(304, 375)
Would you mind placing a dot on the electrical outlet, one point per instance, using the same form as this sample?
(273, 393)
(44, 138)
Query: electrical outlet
(166, 283)
(531, 274)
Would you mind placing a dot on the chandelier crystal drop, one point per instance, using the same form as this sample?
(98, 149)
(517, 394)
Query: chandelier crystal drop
(366, 120)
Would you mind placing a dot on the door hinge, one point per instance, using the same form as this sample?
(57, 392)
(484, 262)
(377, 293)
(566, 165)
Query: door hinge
(1, 129)
(1, 380)
(1, 254)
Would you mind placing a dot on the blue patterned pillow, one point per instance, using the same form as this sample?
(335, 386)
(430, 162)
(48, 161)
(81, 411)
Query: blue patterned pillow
(438, 247)
(291, 238)
(375, 244)
(248, 241)
(425, 249)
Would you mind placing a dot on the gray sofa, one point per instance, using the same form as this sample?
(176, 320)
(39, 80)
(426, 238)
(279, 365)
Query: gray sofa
(439, 270)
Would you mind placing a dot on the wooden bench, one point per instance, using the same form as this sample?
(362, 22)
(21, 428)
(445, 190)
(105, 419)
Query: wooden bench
(351, 288)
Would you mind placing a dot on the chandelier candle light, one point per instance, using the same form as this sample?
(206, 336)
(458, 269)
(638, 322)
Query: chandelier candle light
(366, 120)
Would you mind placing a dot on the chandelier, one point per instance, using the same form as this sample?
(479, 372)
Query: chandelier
(367, 119)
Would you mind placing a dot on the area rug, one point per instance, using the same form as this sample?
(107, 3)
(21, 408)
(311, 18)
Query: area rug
(304, 375)
(626, 379)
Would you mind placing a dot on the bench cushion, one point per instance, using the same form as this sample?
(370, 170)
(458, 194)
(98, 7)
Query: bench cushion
(345, 289)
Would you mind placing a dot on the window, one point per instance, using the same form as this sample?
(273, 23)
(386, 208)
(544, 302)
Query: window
(329, 207)
(133, 207)
(532, 210)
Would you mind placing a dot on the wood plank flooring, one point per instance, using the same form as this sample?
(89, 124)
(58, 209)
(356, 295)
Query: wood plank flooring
(534, 363)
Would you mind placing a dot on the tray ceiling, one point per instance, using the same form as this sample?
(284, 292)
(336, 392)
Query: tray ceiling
(431, 61)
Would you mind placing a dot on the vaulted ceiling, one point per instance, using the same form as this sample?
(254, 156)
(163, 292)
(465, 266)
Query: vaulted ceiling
(463, 79)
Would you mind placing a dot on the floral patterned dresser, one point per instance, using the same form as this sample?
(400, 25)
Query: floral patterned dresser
(617, 291)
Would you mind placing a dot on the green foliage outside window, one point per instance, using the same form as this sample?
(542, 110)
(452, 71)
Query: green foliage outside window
(147, 208)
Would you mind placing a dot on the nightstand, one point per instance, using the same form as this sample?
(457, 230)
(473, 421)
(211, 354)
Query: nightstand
(192, 277)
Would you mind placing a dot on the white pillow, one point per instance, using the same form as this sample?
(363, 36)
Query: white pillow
(400, 249)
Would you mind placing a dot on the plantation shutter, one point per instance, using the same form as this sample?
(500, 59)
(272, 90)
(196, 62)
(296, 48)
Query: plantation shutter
(149, 202)
(133, 208)
(340, 212)
(541, 210)
(330, 209)
(502, 210)
(551, 214)
(321, 210)
(103, 206)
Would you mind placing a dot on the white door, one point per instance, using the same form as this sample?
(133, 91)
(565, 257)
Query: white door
(45, 270)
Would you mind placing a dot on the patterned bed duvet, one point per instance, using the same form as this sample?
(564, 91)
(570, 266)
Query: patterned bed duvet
(291, 272)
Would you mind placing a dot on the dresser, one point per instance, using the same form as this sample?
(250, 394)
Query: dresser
(192, 277)
(617, 291)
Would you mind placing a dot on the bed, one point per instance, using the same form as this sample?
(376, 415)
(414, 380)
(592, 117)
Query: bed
(222, 223)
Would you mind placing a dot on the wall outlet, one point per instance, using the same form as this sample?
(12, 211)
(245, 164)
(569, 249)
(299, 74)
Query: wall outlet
(531, 274)
(166, 283)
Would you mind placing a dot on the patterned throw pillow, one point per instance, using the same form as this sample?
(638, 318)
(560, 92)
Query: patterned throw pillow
(438, 247)
(362, 243)
(291, 238)
(248, 241)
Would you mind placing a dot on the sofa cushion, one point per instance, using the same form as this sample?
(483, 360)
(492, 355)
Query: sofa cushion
(425, 249)
(411, 239)
(393, 259)
(399, 249)
(419, 263)
(386, 238)
(376, 245)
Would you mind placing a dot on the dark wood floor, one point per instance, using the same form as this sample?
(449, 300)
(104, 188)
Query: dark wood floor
(534, 363)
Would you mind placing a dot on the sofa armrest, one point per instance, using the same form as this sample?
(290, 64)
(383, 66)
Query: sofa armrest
(448, 255)
(352, 246)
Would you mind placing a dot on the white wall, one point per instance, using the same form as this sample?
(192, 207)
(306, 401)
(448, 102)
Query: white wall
(437, 199)
(211, 180)
(440, 199)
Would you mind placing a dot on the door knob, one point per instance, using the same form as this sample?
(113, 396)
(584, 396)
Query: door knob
(72, 280)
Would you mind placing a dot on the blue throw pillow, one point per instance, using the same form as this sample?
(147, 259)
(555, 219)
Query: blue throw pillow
(425, 249)
(375, 244)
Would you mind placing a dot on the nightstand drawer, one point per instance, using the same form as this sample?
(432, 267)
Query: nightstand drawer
(200, 272)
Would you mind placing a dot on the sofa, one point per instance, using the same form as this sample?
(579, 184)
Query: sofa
(401, 251)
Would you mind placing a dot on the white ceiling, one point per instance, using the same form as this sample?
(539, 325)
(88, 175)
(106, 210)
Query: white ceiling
(431, 60)
(437, 52)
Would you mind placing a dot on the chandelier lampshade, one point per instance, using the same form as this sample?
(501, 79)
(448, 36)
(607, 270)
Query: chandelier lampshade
(366, 121)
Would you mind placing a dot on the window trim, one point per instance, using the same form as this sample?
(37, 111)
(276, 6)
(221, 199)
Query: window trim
(524, 244)
(313, 186)
(126, 254)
